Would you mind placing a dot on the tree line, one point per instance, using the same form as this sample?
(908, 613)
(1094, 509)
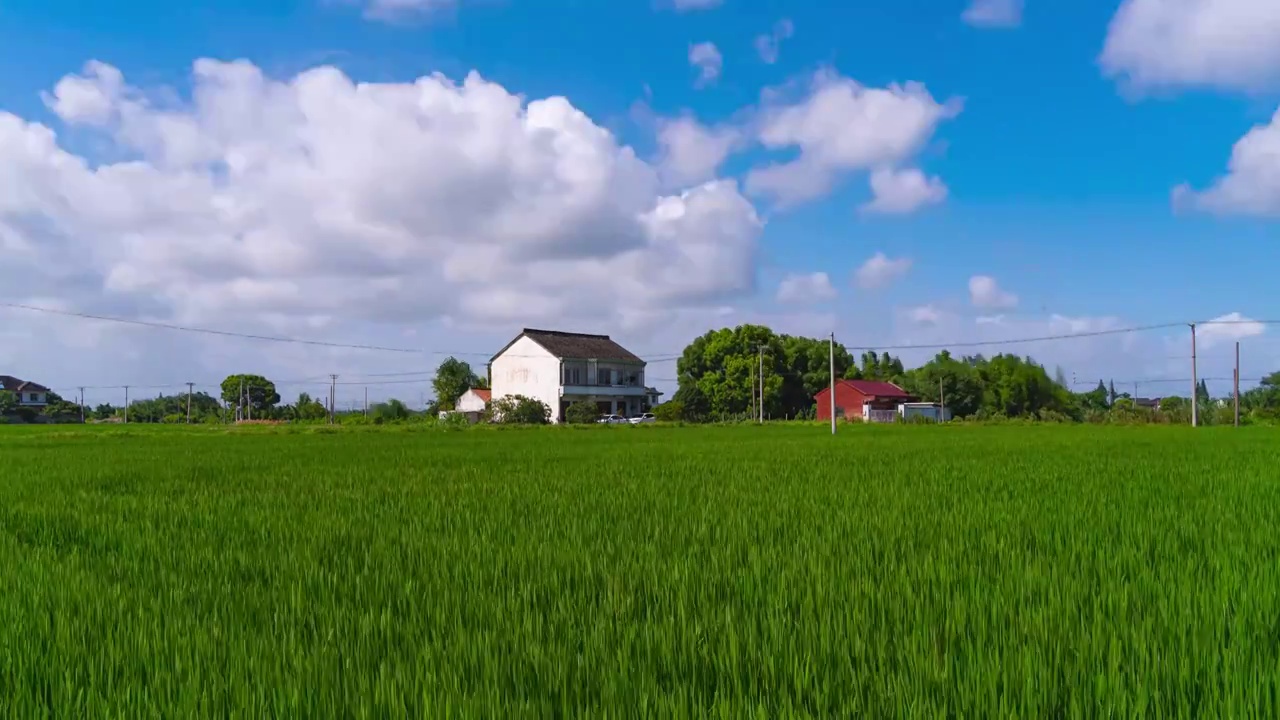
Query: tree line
(719, 376)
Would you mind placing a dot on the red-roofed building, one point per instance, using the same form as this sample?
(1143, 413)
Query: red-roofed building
(472, 403)
(865, 400)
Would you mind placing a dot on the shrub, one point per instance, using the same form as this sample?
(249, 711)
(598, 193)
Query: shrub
(671, 411)
(26, 414)
(519, 410)
(582, 412)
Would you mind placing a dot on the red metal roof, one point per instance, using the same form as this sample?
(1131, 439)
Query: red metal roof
(873, 388)
(483, 393)
(879, 389)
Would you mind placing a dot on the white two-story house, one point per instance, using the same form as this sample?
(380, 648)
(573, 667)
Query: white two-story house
(29, 394)
(561, 368)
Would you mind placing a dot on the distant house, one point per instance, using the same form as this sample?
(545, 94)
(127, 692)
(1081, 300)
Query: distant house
(561, 368)
(1152, 403)
(473, 402)
(29, 394)
(865, 400)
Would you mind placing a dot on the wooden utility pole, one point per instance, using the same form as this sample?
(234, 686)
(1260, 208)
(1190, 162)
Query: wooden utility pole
(1195, 382)
(833, 383)
(190, 385)
(1236, 384)
(333, 383)
(126, 404)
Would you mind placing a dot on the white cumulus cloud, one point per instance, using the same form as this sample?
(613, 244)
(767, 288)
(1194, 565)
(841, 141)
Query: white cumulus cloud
(880, 270)
(806, 288)
(1228, 328)
(898, 192)
(1252, 183)
(994, 13)
(690, 152)
(768, 45)
(317, 196)
(705, 56)
(1233, 44)
(842, 126)
(986, 294)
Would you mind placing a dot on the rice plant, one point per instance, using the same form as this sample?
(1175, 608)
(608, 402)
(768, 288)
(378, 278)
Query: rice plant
(715, 572)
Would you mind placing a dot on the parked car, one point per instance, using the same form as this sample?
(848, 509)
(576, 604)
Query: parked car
(611, 419)
(643, 418)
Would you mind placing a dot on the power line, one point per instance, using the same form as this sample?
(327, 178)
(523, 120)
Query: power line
(204, 331)
(1012, 341)
(663, 357)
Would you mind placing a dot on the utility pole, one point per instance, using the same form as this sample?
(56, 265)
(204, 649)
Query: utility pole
(942, 400)
(1195, 382)
(126, 404)
(190, 385)
(366, 401)
(82, 406)
(333, 383)
(1236, 384)
(833, 383)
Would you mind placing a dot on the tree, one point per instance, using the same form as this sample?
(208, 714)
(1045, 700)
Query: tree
(582, 412)
(958, 382)
(453, 378)
(520, 410)
(8, 402)
(1202, 393)
(390, 411)
(259, 393)
(1096, 399)
(104, 412)
(307, 408)
(719, 372)
(1111, 394)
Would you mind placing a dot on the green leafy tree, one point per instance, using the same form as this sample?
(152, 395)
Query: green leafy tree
(105, 411)
(1111, 394)
(519, 410)
(945, 379)
(308, 408)
(719, 372)
(392, 410)
(259, 393)
(453, 378)
(8, 402)
(582, 412)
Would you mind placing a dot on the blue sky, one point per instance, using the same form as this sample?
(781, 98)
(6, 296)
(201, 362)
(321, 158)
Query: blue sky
(1059, 169)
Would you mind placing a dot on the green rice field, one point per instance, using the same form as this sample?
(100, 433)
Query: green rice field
(726, 572)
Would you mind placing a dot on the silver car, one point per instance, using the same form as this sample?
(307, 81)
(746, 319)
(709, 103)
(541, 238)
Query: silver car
(643, 418)
(611, 420)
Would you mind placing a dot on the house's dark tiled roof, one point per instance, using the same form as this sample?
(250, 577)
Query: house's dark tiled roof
(578, 346)
(13, 384)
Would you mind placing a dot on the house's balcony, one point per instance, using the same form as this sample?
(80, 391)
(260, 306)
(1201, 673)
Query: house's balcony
(604, 390)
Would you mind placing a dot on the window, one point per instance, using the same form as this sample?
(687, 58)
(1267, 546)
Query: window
(573, 376)
(32, 397)
(603, 376)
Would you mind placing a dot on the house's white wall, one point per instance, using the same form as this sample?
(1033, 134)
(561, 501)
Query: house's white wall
(526, 368)
(25, 398)
(470, 402)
